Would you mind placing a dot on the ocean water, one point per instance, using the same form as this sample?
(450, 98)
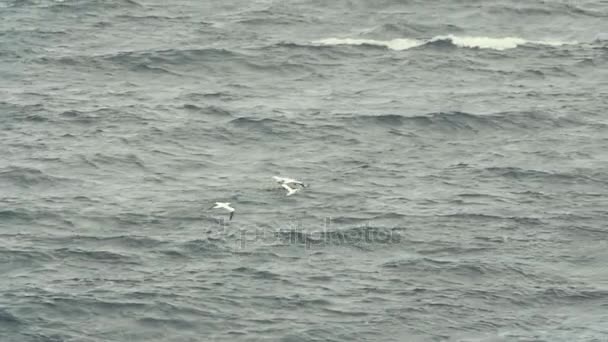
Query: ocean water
(455, 153)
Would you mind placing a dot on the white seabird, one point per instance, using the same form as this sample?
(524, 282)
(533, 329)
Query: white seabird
(288, 181)
(290, 191)
(225, 206)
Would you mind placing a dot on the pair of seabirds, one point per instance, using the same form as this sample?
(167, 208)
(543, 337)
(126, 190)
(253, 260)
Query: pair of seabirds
(285, 182)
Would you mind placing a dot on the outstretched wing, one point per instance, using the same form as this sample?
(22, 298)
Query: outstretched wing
(290, 191)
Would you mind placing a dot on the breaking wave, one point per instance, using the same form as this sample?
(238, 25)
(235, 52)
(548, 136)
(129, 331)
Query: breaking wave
(458, 41)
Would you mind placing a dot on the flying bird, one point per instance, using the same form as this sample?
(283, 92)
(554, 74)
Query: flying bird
(288, 181)
(225, 206)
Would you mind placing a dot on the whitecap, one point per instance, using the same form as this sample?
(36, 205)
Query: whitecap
(460, 41)
(395, 44)
(483, 42)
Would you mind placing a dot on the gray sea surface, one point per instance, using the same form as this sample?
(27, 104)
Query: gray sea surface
(455, 152)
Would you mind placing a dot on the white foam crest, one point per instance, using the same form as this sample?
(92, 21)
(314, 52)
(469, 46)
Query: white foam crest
(460, 41)
(496, 43)
(395, 44)
(483, 42)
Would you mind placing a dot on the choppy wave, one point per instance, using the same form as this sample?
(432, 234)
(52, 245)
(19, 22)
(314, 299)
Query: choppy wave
(95, 255)
(458, 41)
(27, 177)
(7, 318)
(149, 61)
(60, 5)
(463, 121)
(547, 176)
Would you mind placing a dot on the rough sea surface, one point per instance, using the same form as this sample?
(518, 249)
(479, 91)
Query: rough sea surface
(455, 151)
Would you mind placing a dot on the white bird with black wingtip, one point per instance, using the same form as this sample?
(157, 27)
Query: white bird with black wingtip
(291, 185)
(225, 206)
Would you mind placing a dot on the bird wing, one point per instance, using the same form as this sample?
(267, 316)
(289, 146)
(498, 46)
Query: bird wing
(290, 191)
(293, 181)
(231, 214)
(280, 179)
(218, 205)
